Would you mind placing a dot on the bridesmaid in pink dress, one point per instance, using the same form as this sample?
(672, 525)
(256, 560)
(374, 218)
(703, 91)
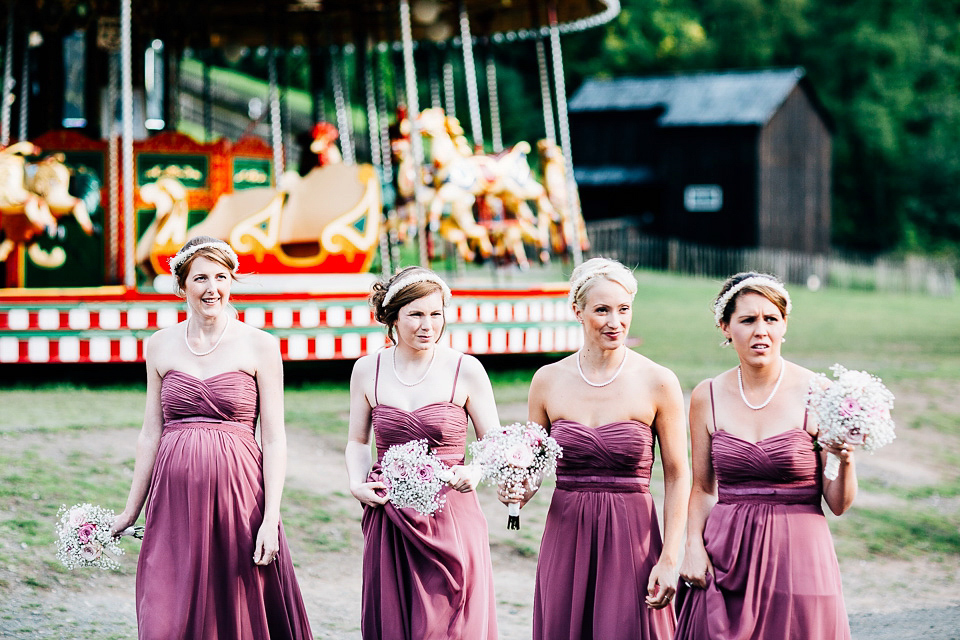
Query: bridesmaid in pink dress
(603, 571)
(759, 558)
(424, 577)
(214, 561)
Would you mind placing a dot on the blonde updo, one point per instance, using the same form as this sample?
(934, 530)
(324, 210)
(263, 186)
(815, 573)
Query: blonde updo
(407, 285)
(586, 275)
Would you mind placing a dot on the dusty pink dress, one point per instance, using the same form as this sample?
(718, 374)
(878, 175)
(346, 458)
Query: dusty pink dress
(777, 576)
(426, 577)
(601, 538)
(196, 578)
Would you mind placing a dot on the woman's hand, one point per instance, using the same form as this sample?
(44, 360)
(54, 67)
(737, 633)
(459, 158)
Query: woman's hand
(522, 494)
(696, 565)
(662, 585)
(121, 522)
(268, 543)
(844, 451)
(370, 494)
(465, 477)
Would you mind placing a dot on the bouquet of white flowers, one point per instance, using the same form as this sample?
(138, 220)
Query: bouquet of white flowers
(414, 477)
(853, 409)
(84, 540)
(513, 454)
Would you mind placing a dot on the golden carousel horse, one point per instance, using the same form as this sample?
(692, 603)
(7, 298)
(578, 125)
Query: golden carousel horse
(561, 228)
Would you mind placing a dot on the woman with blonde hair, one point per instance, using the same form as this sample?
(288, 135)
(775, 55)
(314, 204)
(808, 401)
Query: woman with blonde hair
(424, 576)
(604, 571)
(759, 557)
(214, 561)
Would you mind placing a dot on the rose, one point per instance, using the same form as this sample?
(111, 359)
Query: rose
(849, 407)
(519, 455)
(400, 469)
(854, 436)
(91, 551)
(425, 473)
(76, 517)
(85, 532)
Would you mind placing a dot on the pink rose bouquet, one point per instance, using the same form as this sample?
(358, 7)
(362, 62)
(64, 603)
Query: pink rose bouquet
(84, 540)
(514, 454)
(414, 477)
(853, 409)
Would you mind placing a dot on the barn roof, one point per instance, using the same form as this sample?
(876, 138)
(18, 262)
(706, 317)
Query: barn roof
(700, 99)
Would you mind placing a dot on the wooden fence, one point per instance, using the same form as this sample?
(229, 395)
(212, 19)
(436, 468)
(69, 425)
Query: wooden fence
(621, 240)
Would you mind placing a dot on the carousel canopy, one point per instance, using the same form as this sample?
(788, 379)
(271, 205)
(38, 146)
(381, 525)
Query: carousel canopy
(215, 23)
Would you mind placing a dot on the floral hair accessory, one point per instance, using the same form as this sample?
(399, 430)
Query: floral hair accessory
(765, 281)
(414, 278)
(604, 270)
(178, 259)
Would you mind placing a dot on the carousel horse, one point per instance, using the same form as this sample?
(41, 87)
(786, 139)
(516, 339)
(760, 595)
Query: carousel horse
(169, 225)
(51, 181)
(24, 214)
(462, 178)
(324, 136)
(554, 171)
(403, 219)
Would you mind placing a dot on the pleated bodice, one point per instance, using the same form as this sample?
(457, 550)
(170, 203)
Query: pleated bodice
(782, 468)
(226, 397)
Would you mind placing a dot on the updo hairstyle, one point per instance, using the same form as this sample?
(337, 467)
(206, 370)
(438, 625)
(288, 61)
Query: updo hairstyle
(422, 282)
(768, 286)
(586, 275)
(218, 251)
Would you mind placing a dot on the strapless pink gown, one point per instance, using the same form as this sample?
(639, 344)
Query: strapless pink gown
(777, 576)
(196, 578)
(426, 577)
(601, 538)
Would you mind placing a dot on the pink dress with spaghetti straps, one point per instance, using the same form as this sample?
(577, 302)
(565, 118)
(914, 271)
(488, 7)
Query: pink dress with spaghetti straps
(777, 576)
(426, 577)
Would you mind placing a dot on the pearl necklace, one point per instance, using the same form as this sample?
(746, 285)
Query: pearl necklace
(186, 340)
(422, 378)
(743, 396)
(601, 384)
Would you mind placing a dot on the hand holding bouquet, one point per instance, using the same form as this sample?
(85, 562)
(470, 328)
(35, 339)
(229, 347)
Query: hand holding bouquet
(84, 540)
(853, 409)
(513, 454)
(414, 477)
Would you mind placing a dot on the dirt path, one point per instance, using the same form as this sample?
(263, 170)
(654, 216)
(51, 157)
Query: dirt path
(886, 599)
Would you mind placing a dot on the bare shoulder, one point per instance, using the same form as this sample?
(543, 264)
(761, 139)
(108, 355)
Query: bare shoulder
(470, 367)
(656, 374)
(548, 374)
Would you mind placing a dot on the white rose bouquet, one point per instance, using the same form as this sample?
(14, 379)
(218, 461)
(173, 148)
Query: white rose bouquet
(84, 540)
(414, 477)
(853, 409)
(514, 454)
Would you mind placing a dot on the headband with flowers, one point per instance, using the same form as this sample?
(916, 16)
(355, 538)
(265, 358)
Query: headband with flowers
(178, 259)
(413, 278)
(728, 295)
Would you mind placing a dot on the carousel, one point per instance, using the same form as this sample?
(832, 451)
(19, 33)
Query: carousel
(119, 141)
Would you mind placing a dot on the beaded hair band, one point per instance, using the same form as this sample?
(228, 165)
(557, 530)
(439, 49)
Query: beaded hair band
(178, 259)
(605, 270)
(414, 278)
(728, 295)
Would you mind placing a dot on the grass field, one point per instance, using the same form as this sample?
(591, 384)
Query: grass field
(64, 443)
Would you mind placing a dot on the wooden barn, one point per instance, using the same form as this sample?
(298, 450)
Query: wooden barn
(737, 159)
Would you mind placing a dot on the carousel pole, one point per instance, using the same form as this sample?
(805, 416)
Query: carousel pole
(373, 128)
(25, 89)
(126, 101)
(340, 102)
(494, 100)
(413, 109)
(382, 58)
(470, 71)
(436, 99)
(113, 175)
(564, 127)
(449, 92)
(276, 132)
(7, 78)
(545, 96)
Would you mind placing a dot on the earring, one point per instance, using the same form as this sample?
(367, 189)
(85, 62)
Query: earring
(783, 339)
(726, 343)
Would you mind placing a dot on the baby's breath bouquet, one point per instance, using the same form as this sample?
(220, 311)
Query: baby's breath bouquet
(514, 454)
(84, 540)
(853, 409)
(414, 477)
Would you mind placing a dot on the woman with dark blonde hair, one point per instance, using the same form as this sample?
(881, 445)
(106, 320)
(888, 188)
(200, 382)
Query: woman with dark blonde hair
(759, 558)
(424, 576)
(214, 561)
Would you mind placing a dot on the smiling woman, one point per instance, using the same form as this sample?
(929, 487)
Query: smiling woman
(213, 488)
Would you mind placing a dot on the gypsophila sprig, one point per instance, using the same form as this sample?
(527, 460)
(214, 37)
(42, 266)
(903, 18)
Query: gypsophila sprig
(853, 409)
(414, 477)
(514, 454)
(84, 540)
